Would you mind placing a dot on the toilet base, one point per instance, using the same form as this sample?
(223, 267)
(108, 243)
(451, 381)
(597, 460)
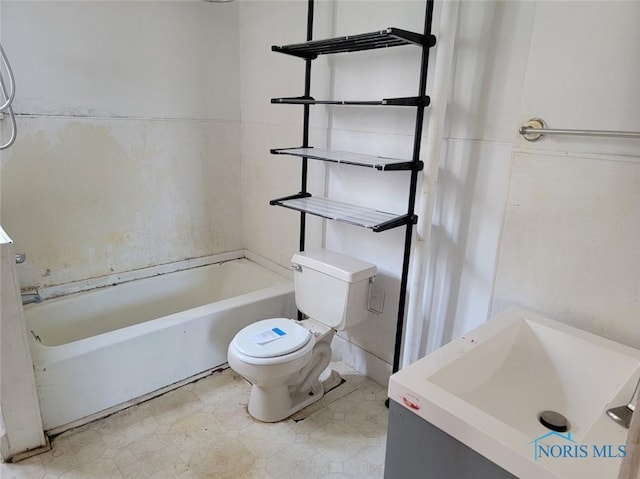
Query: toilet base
(275, 397)
(276, 404)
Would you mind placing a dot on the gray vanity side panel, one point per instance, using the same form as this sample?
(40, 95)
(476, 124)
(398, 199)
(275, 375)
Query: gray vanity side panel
(417, 449)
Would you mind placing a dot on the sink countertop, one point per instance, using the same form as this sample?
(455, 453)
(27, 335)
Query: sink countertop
(472, 390)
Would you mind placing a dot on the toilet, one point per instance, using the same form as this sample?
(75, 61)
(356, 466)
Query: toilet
(284, 358)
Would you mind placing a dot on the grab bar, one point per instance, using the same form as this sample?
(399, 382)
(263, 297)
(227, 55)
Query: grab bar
(533, 129)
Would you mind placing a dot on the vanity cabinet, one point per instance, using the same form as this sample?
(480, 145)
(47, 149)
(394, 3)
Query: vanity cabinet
(416, 449)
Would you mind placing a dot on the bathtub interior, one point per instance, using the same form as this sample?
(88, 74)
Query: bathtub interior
(78, 316)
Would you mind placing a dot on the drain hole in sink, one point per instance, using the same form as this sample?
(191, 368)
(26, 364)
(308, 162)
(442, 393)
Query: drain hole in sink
(553, 420)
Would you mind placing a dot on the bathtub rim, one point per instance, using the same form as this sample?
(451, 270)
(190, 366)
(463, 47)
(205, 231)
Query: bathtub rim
(44, 355)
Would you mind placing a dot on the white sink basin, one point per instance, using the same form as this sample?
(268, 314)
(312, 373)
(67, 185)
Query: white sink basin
(486, 389)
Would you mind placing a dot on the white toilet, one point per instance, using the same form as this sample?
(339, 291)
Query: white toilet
(283, 358)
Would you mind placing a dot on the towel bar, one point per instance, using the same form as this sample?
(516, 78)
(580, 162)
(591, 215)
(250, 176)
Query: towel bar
(533, 129)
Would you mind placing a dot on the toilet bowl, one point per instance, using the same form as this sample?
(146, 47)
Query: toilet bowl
(283, 367)
(284, 358)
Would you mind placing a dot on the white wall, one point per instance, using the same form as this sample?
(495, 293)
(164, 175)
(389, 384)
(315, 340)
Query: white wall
(513, 60)
(570, 247)
(272, 231)
(484, 109)
(488, 70)
(130, 141)
(373, 75)
(128, 147)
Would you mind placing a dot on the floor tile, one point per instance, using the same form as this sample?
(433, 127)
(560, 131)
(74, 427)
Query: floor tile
(203, 430)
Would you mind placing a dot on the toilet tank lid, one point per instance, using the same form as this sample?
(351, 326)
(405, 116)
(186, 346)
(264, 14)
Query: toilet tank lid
(340, 266)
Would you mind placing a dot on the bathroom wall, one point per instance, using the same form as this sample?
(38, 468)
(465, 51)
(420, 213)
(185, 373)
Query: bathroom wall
(373, 75)
(474, 169)
(271, 231)
(145, 125)
(570, 244)
(128, 147)
(484, 108)
(567, 206)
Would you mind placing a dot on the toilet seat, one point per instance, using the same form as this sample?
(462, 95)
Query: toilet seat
(289, 341)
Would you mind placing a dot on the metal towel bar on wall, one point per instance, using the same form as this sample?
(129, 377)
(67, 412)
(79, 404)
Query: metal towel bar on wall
(533, 129)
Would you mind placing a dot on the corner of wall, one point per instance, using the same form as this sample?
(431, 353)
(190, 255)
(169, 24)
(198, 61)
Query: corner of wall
(361, 360)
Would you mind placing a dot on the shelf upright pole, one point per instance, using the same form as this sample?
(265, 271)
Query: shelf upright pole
(428, 21)
(305, 127)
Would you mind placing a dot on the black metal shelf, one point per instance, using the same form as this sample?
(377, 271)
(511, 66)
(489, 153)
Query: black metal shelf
(404, 101)
(372, 219)
(381, 163)
(389, 37)
(344, 212)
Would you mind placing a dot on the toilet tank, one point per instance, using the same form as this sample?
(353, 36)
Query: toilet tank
(332, 288)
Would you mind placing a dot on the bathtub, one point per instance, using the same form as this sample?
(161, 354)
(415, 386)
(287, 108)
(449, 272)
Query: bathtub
(98, 351)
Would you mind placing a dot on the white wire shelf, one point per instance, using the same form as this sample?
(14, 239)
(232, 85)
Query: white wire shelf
(378, 162)
(344, 212)
(402, 101)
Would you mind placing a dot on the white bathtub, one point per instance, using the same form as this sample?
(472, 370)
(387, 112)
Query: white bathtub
(97, 350)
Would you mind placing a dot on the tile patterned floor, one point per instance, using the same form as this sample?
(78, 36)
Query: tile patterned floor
(203, 430)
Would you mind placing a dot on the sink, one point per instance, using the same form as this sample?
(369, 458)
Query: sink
(487, 389)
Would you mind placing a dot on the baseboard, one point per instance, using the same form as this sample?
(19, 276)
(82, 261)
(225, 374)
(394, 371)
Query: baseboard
(21, 456)
(361, 360)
